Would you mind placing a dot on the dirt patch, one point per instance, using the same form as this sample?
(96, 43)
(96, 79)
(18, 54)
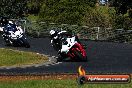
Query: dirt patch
(39, 77)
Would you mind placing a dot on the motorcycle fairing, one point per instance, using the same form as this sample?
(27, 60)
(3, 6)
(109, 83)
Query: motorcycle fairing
(67, 44)
(78, 47)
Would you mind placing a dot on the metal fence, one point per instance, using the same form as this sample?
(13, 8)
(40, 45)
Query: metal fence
(41, 29)
(21, 23)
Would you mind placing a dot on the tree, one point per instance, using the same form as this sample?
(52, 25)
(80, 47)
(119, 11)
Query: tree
(65, 11)
(122, 6)
(12, 8)
(34, 6)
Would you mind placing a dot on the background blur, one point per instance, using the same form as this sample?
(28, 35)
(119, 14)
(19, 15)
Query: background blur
(109, 20)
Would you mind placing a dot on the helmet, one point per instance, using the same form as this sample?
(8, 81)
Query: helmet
(4, 21)
(52, 32)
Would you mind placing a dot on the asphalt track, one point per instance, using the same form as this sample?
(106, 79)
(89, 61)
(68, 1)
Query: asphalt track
(103, 57)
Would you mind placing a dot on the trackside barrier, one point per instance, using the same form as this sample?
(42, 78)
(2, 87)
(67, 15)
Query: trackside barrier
(41, 29)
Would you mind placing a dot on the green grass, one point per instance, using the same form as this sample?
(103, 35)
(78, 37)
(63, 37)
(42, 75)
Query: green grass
(14, 57)
(57, 84)
(32, 18)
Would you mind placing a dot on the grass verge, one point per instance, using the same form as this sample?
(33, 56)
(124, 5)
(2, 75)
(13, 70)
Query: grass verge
(10, 57)
(51, 81)
(54, 83)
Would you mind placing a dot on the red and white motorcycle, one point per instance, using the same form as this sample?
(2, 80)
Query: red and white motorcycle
(71, 48)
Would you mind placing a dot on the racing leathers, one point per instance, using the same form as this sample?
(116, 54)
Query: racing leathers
(55, 41)
(8, 30)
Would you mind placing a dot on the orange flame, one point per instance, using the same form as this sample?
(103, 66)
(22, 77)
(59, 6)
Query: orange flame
(81, 71)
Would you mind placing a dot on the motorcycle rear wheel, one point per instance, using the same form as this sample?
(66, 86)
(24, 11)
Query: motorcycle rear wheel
(25, 42)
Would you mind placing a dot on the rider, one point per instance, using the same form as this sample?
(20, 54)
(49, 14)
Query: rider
(8, 28)
(58, 37)
(55, 39)
(8, 25)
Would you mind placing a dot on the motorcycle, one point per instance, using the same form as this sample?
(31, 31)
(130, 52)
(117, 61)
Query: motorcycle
(16, 38)
(72, 49)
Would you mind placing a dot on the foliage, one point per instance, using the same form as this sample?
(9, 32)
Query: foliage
(65, 11)
(122, 21)
(13, 8)
(123, 13)
(99, 17)
(71, 12)
(34, 6)
(122, 6)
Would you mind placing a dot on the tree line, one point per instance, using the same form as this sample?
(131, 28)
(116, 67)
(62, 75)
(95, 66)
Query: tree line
(117, 13)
